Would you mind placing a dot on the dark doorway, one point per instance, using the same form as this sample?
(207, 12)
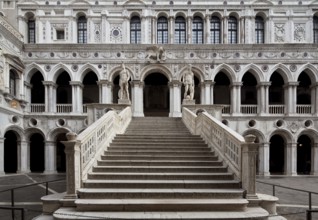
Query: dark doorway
(277, 155)
(36, 153)
(10, 152)
(37, 91)
(90, 90)
(249, 90)
(156, 95)
(303, 155)
(64, 89)
(222, 91)
(60, 154)
(304, 90)
(276, 89)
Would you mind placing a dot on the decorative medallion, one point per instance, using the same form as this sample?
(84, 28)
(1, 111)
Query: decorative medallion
(265, 68)
(47, 68)
(293, 127)
(280, 33)
(75, 67)
(237, 68)
(293, 67)
(299, 32)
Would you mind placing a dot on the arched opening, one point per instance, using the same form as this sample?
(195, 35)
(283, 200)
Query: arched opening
(276, 89)
(221, 92)
(304, 155)
(156, 95)
(36, 153)
(60, 154)
(91, 89)
(10, 152)
(37, 90)
(277, 155)
(63, 93)
(249, 90)
(303, 90)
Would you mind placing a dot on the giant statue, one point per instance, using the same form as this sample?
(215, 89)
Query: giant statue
(188, 82)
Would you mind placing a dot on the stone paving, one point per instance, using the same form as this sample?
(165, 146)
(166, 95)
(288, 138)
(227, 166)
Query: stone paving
(292, 204)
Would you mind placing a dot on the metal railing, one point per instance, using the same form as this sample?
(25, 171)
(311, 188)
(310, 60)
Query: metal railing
(37, 107)
(303, 109)
(12, 208)
(276, 109)
(310, 193)
(249, 109)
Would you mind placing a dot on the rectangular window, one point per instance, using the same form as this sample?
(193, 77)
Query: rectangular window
(215, 29)
(31, 31)
(60, 34)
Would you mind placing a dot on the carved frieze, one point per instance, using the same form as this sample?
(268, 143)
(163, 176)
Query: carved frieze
(116, 35)
(299, 32)
(279, 33)
(97, 32)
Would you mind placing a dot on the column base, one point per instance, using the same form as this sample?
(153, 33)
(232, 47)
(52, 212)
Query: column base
(23, 171)
(2, 173)
(50, 172)
(314, 173)
(175, 115)
(264, 174)
(138, 114)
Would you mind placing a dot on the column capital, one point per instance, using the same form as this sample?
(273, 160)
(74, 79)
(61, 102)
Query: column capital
(265, 84)
(137, 83)
(76, 83)
(288, 84)
(236, 84)
(29, 85)
(49, 83)
(171, 17)
(105, 82)
(209, 82)
(175, 83)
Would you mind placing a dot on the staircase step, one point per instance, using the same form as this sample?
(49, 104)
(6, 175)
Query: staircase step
(248, 213)
(148, 157)
(161, 176)
(150, 184)
(144, 193)
(156, 149)
(153, 169)
(161, 204)
(158, 163)
(157, 153)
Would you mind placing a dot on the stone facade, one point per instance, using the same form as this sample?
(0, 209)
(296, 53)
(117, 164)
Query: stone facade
(256, 58)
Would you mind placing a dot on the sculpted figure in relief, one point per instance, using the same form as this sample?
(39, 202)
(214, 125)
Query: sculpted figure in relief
(123, 83)
(156, 53)
(188, 82)
(1, 70)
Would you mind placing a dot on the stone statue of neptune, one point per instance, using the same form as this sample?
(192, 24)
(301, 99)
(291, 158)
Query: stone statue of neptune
(188, 82)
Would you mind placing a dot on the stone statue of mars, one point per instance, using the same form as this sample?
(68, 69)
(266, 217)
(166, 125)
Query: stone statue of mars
(123, 83)
(188, 82)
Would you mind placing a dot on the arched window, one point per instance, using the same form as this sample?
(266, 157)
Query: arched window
(13, 83)
(180, 30)
(31, 31)
(162, 30)
(215, 29)
(197, 30)
(232, 30)
(82, 30)
(315, 29)
(259, 30)
(135, 30)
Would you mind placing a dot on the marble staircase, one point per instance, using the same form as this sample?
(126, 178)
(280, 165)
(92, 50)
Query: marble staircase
(158, 170)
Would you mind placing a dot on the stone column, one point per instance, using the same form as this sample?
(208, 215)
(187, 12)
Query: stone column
(241, 30)
(73, 166)
(171, 30)
(105, 91)
(137, 98)
(23, 156)
(262, 97)
(2, 156)
(50, 157)
(314, 99)
(236, 97)
(225, 29)
(28, 88)
(153, 30)
(77, 96)
(207, 91)
(263, 154)
(202, 92)
(50, 96)
(212, 93)
(291, 159)
(207, 29)
(314, 159)
(291, 97)
(248, 169)
(175, 98)
(189, 29)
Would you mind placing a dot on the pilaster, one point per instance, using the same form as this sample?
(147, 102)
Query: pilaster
(236, 98)
(263, 155)
(2, 156)
(77, 96)
(291, 159)
(50, 96)
(23, 157)
(175, 98)
(105, 91)
(137, 98)
(50, 157)
(314, 159)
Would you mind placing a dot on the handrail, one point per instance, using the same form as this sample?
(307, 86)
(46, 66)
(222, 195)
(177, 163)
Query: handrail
(24, 186)
(12, 210)
(237, 152)
(291, 188)
(84, 149)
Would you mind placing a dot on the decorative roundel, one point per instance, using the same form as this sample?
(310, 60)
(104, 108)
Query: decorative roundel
(29, 54)
(265, 68)
(259, 54)
(115, 32)
(293, 67)
(47, 68)
(96, 54)
(191, 55)
(308, 123)
(61, 122)
(279, 123)
(252, 123)
(214, 54)
(118, 54)
(75, 67)
(305, 54)
(237, 68)
(237, 54)
(171, 2)
(99, 66)
(51, 54)
(74, 54)
(33, 122)
(282, 54)
(96, 3)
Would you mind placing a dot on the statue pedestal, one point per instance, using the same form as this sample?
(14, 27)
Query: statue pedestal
(124, 101)
(188, 102)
